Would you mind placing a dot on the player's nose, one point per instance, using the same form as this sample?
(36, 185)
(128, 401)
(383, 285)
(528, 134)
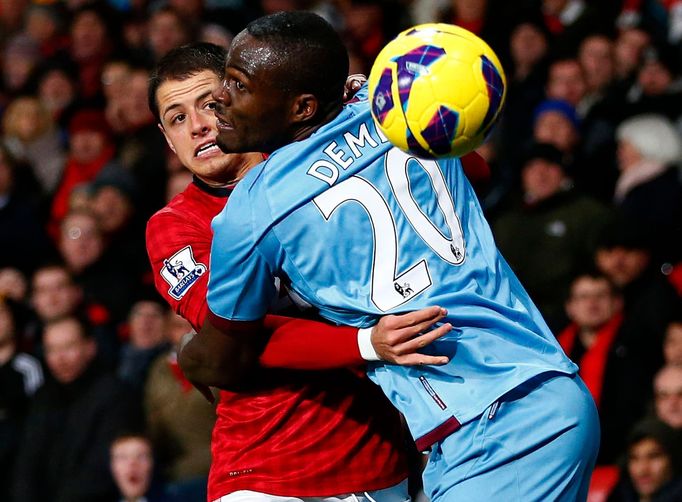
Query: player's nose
(221, 93)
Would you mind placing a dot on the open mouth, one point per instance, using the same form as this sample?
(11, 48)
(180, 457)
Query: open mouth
(207, 149)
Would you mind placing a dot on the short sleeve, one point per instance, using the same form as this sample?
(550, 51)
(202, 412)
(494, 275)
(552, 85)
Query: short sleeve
(241, 285)
(179, 254)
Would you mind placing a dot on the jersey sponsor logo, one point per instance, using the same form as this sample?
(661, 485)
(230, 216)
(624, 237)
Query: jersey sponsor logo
(181, 271)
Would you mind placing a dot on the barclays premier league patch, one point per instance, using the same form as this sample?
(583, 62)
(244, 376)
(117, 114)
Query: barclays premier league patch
(181, 271)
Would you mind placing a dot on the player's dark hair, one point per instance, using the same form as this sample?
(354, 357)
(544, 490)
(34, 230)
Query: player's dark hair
(311, 54)
(182, 63)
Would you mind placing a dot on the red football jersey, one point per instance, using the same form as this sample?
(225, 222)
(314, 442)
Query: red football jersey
(310, 433)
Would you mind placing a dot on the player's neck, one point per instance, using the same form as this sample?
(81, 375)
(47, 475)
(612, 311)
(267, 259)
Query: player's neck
(308, 129)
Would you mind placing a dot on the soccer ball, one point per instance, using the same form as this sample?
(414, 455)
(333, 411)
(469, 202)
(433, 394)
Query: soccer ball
(436, 90)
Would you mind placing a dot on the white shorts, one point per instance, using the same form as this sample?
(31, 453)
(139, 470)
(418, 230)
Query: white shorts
(397, 493)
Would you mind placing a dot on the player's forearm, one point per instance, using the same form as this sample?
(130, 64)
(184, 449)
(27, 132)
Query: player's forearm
(221, 357)
(309, 345)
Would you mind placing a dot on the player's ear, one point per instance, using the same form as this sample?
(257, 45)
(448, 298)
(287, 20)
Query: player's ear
(304, 108)
(166, 136)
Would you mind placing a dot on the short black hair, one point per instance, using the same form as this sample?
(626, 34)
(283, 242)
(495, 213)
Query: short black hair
(182, 63)
(311, 53)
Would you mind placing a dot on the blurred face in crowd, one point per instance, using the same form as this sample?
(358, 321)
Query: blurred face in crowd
(28, 118)
(68, 351)
(592, 302)
(628, 155)
(189, 125)
(654, 78)
(528, 45)
(554, 128)
(81, 242)
(628, 50)
(112, 207)
(649, 467)
(6, 325)
(147, 322)
(596, 59)
(86, 146)
(622, 265)
(566, 81)
(5, 175)
(54, 293)
(40, 25)
(56, 90)
(166, 31)
(668, 395)
(115, 75)
(135, 109)
(131, 465)
(541, 179)
(88, 36)
(672, 344)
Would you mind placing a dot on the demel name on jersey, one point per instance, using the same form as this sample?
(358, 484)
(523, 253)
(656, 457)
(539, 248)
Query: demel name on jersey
(181, 271)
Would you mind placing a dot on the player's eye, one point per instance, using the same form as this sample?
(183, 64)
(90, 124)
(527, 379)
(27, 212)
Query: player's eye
(178, 118)
(239, 85)
(210, 105)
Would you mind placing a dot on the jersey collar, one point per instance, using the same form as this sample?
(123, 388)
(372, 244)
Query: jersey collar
(215, 191)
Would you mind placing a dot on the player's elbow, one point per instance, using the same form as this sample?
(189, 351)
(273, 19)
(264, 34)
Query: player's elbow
(224, 371)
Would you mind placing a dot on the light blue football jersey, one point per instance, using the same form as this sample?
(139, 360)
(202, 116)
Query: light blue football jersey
(359, 229)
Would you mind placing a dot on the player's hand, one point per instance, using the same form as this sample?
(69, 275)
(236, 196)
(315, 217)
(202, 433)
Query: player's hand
(353, 84)
(397, 338)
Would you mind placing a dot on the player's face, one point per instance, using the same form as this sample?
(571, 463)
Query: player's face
(253, 109)
(189, 125)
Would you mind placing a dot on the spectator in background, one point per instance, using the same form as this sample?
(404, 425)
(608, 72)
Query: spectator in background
(648, 192)
(73, 419)
(115, 79)
(650, 302)
(114, 198)
(32, 138)
(672, 343)
(132, 466)
(20, 376)
(90, 149)
(556, 122)
(180, 420)
(45, 23)
(569, 21)
(93, 34)
(146, 342)
(657, 87)
(608, 362)
(526, 74)
(566, 81)
(102, 275)
(20, 57)
(629, 46)
(22, 238)
(13, 285)
(668, 396)
(56, 85)
(168, 29)
(552, 223)
(652, 467)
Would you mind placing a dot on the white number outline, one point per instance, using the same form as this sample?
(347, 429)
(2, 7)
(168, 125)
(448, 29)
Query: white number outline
(389, 289)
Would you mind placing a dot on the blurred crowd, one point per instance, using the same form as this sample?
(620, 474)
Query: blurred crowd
(583, 188)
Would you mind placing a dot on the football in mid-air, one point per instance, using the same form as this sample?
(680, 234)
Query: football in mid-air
(436, 90)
